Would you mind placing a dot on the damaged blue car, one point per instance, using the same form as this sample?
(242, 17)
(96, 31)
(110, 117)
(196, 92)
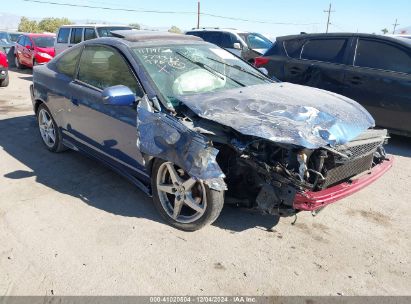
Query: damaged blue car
(196, 127)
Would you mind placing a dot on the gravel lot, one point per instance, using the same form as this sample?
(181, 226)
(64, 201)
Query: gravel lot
(70, 226)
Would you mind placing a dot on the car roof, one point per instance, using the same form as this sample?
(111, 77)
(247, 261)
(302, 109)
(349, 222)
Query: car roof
(144, 36)
(331, 35)
(95, 25)
(40, 35)
(217, 29)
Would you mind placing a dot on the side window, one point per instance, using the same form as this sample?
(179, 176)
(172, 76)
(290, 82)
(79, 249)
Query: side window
(103, 67)
(28, 42)
(21, 40)
(89, 33)
(384, 56)
(328, 50)
(76, 35)
(68, 62)
(63, 35)
(293, 47)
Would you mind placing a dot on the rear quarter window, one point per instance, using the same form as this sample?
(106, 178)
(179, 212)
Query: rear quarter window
(68, 62)
(293, 47)
(327, 50)
(63, 35)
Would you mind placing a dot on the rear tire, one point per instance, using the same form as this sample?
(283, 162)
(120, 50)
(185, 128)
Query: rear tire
(49, 130)
(186, 192)
(5, 82)
(17, 62)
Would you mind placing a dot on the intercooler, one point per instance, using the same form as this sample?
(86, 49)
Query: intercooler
(360, 152)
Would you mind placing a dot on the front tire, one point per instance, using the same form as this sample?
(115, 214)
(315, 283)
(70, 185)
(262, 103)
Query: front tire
(5, 82)
(49, 131)
(184, 202)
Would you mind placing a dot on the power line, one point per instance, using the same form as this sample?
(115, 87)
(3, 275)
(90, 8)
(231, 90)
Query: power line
(329, 11)
(164, 12)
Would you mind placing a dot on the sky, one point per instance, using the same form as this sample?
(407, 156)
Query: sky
(303, 16)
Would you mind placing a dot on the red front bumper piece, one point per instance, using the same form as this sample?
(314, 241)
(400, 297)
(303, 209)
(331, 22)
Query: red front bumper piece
(311, 201)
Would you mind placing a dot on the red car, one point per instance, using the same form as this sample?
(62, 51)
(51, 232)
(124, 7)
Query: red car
(4, 66)
(33, 49)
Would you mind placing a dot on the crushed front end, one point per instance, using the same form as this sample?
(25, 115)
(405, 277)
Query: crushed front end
(283, 179)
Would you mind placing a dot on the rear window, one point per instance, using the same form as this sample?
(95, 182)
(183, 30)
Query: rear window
(63, 35)
(328, 50)
(106, 31)
(274, 50)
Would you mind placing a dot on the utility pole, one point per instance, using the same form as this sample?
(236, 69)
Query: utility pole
(198, 15)
(395, 26)
(329, 11)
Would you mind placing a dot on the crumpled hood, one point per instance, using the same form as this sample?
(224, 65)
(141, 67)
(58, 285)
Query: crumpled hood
(284, 113)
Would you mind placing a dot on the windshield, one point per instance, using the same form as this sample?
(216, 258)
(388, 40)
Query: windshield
(180, 70)
(256, 41)
(44, 42)
(106, 31)
(5, 37)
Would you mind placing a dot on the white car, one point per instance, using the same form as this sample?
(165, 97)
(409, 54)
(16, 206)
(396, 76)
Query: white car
(243, 44)
(69, 35)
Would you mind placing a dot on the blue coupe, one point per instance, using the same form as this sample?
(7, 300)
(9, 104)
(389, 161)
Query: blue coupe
(196, 127)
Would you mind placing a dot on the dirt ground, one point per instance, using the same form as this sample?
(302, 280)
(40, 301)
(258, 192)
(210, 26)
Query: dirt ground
(70, 226)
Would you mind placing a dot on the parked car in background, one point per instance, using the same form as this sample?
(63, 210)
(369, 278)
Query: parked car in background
(4, 66)
(34, 49)
(69, 35)
(197, 127)
(243, 44)
(7, 44)
(371, 69)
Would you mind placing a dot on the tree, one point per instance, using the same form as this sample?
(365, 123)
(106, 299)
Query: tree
(51, 25)
(384, 31)
(27, 25)
(135, 26)
(175, 29)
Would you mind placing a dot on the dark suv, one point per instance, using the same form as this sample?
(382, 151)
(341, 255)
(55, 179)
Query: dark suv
(371, 69)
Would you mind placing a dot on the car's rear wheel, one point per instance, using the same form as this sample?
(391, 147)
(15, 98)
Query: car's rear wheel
(183, 201)
(4, 82)
(49, 131)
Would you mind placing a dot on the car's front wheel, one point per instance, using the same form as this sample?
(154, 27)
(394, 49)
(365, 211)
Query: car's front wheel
(49, 131)
(4, 82)
(183, 201)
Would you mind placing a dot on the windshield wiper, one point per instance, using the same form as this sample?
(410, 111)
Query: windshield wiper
(209, 69)
(237, 67)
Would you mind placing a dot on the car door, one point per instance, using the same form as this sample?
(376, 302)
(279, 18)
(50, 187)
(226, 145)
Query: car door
(28, 52)
(19, 47)
(380, 79)
(108, 131)
(318, 62)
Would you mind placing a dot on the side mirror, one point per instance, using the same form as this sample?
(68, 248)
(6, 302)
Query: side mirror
(118, 96)
(237, 46)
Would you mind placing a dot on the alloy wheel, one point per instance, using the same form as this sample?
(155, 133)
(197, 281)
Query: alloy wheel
(47, 128)
(182, 197)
